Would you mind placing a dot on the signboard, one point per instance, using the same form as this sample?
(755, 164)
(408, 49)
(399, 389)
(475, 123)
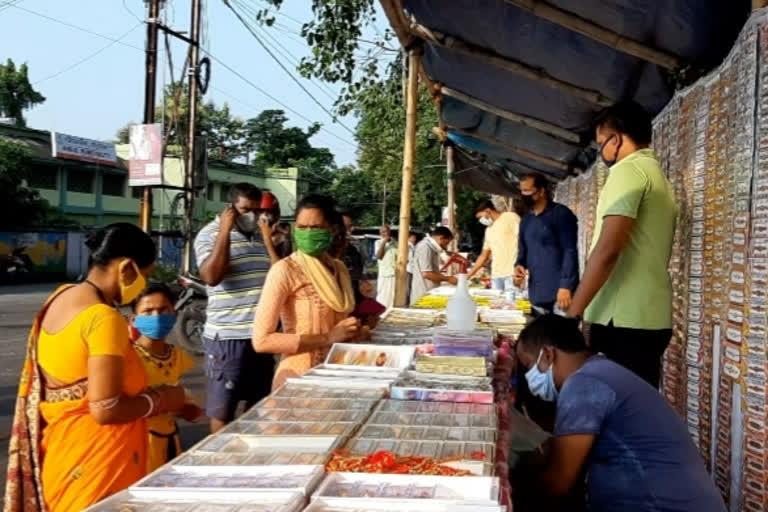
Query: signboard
(146, 155)
(82, 149)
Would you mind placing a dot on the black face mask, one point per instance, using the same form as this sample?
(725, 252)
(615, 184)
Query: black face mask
(612, 162)
(529, 201)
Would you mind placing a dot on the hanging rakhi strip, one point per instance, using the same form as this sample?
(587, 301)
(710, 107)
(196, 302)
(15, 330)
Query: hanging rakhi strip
(753, 362)
(667, 144)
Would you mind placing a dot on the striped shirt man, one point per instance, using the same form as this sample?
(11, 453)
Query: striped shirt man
(234, 262)
(232, 303)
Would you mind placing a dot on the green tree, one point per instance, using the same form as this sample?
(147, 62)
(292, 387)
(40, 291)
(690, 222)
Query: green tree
(272, 144)
(339, 52)
(16, 93)
(381, 128)
(21, 206)
(371, 73)
(223, 131)
(123, 135)
(353, 190)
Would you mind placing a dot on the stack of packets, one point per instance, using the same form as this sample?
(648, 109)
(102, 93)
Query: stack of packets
(441, 301)
(477, 343)
(403, 318)
(442, 388)
(419, 338)
(452, 365)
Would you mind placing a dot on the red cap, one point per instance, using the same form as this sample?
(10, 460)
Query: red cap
(268, 201)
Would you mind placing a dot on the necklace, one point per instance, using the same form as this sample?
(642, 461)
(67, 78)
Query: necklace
(98, 291)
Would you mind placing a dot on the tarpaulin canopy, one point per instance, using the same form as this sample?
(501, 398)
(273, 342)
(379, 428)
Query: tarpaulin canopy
(521, 80)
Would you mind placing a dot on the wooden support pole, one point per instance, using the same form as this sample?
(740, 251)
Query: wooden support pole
(594, 31)
(449, 169)
(557, 164)
(759, 4)
(393, 9)
(549, 129)
(486, 56)
(411, 118)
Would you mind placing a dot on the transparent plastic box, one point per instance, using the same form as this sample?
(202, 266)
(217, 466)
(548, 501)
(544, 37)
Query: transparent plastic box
(175, 501)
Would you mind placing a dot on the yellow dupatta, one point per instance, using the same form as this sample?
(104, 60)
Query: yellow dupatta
(335, 288)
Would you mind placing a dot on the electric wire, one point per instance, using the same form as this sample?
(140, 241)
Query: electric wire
(87, 57)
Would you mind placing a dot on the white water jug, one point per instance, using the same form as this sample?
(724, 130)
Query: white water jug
(461, 309)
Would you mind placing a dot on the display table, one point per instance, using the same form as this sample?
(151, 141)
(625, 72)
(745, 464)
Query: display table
(335, 440)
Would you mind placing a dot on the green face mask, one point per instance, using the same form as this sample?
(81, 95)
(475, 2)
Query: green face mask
(313, 242)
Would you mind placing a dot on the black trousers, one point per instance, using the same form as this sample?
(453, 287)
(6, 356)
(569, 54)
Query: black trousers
(639, 350)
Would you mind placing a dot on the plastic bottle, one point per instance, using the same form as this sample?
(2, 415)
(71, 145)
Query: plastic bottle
(461, 309)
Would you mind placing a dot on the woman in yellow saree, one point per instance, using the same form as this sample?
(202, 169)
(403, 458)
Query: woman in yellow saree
(79, 432)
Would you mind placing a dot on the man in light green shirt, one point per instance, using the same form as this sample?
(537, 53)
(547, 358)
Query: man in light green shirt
(626, 291)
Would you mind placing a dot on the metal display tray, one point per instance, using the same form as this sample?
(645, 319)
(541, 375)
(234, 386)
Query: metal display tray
(468, 490)
(421, 448)
(374, 358)
(233, 479)
(169, 500)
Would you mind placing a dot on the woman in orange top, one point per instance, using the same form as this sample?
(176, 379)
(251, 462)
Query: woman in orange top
(310, 291)
(79, 431)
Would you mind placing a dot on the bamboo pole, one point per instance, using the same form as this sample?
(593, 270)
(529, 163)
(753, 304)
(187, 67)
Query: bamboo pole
(393, 9)
(594, 31)
(518, 68)
(449, 168)
(549, 129)
(411, 118)
(557, 164)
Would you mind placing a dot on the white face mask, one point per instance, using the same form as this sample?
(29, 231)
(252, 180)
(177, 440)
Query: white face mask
(246, 222)
(486, 221)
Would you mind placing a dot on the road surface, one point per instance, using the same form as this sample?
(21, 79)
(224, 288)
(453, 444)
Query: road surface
(18, 306)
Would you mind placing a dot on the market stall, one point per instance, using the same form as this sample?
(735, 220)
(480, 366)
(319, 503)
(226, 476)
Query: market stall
(416, 420)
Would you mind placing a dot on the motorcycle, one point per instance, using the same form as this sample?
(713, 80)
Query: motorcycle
(190, 308)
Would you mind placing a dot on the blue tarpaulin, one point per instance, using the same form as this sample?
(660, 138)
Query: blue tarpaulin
(698, 32)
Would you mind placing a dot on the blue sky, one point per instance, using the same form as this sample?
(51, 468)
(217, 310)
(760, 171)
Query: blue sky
(95, 98)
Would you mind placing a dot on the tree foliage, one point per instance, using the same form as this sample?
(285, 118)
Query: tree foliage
(373, 90)
(16, 93)
(272, 144)
(339, 52)
(21, 206)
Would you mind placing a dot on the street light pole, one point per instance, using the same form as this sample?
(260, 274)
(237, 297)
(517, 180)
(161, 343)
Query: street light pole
(189, 166)
(150, 85)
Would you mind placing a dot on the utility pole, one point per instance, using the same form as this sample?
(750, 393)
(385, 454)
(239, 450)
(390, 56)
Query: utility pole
(150, 82)
(384, 206)
(189, 167)
(449, 168)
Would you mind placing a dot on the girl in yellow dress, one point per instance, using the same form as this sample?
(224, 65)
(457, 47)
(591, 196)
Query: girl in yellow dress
(154, 317)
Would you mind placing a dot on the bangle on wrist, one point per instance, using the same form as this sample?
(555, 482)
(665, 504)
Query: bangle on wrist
(151, 403)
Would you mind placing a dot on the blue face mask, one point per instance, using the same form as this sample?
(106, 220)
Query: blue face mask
(541, 384)
(155, 327)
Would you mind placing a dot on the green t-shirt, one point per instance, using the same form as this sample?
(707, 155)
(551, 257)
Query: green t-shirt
(638, 293)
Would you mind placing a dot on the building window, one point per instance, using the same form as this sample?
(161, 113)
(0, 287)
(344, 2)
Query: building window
(209, 192)
(113, 184)
(137, 192)
(80, 181)
(45, 178)
(224, 194)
